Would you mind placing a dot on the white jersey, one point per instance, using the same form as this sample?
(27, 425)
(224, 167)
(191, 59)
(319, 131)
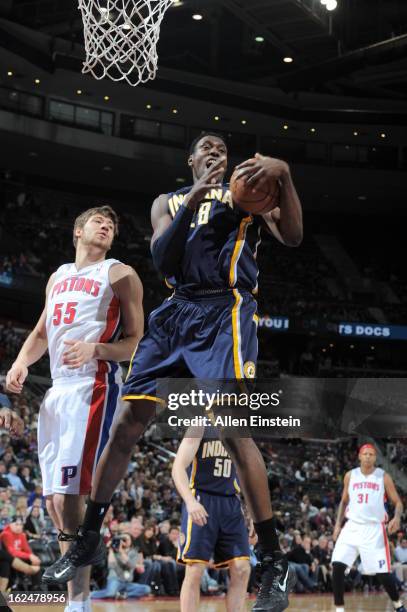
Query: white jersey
(81, 306)
(366, 497)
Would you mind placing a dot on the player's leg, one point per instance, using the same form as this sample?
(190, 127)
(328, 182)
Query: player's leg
(239, 570)
(230, 353)
(195, 549)
(338, 584)
(114, 461)
(191, 587)
(70, 510)
(375, 557)
(344, 554)
(81, 416)
(389, 584)
(232, 549)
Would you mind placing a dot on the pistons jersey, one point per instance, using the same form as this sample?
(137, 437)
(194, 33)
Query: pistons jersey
(81, 306)
(222, 244)
(367, 497)
(212, 470)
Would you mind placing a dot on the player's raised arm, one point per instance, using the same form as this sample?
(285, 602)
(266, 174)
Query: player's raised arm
(284, 222)
(394, 497)
(170, 235)
(185, 455)
(32, 350)
(342, 506)
(127, 287)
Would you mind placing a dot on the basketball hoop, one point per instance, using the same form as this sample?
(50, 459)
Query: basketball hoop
(121, 38)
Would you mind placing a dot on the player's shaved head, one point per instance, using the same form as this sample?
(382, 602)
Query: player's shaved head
(205, 135)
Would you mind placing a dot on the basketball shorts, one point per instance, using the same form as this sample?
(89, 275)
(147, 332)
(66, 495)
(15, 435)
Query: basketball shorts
(73, 428)
(367, 540)
(211, 337)
(224, 538)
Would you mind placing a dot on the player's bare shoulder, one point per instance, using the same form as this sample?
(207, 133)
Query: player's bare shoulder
(122, 275)
(159, 207)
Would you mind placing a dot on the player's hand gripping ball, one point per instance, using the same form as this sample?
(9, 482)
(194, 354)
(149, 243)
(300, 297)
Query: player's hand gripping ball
(254, 188)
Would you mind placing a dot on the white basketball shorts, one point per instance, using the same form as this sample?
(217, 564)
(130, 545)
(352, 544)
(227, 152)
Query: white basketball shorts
(73, 428)
(367, 540)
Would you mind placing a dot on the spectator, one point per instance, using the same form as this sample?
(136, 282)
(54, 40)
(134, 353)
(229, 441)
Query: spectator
(26, 478)
(4, 481)
(15, 543)
(123, 560)
(301, 560)
(14, 479)
(323, 555)
(400, 554)
(149, 548)
(34, 525)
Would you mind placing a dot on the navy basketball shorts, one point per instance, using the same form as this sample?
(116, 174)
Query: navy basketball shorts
(224, 538)
(210, 337)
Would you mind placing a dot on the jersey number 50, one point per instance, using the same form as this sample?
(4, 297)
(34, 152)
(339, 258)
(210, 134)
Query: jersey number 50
(223, 467)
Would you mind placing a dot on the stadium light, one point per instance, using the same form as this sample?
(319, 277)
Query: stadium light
(9, 73)
(259, 39)
(197, 17)
(331, 5)
(244, 121)
(288, 60)
(324, 2)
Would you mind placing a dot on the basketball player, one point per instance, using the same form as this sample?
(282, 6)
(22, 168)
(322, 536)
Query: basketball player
(87, 303)
(206, 248)
(363, 503)
(212, 524)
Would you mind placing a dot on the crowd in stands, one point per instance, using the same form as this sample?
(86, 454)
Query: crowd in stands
(36, 237)
(142, 527)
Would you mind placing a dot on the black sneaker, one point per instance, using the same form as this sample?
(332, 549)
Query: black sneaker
(87, 549)
(276, 579)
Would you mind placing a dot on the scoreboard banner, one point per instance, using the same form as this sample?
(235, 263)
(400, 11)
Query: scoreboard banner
(373, 330)
(369, 331)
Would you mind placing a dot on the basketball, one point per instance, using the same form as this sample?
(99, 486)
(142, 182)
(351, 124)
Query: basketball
(256, 202)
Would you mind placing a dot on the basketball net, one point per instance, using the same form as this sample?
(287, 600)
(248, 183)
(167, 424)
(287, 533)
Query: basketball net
(121, 38)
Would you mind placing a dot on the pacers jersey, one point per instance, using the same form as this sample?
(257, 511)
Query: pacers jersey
(81, 306)
(212, 469)
(221, 248)
(367, 497)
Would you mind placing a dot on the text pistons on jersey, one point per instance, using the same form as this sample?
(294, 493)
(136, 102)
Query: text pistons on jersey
(77, 283)
(357, 486)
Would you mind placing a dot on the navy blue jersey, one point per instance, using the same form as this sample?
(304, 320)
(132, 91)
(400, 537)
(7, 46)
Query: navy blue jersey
(212, 469)
(222, 244)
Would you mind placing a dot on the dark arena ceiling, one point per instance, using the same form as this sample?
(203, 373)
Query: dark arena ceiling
(359, 49)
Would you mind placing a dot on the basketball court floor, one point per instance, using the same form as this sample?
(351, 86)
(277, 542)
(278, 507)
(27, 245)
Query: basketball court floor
(298, 603)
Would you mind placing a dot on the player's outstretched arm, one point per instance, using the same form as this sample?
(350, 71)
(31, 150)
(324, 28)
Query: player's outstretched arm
(185, 455)
(391, 492)
(342, 507)
(170, 235)
(32, 350)
(128, 289)
(285, 221)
